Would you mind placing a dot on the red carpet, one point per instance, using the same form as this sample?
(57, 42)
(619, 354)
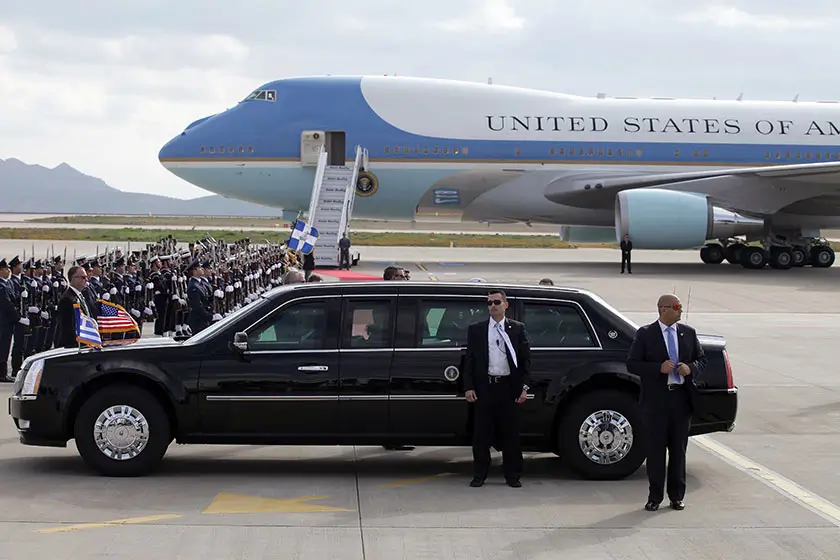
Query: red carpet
(343, 275)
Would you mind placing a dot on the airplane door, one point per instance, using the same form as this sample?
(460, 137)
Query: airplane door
(336, 147)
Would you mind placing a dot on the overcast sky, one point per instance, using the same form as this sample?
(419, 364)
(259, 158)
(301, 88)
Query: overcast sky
(102, 85)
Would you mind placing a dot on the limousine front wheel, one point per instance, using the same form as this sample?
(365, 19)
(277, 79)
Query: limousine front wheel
(122, 431)
(601, 436)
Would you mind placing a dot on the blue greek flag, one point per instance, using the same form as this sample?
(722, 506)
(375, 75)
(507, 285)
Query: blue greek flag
(87, 331)
(303, 237)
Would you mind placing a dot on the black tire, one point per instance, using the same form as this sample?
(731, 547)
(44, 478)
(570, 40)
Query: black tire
(156, 427)
(626, 406)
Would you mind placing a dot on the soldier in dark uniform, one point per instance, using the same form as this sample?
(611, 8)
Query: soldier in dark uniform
(118, 294)
(162, 291)
(31, 301)
(626, 248)
(199, 299)
(9, 317)
(22, 326)
(54, 285)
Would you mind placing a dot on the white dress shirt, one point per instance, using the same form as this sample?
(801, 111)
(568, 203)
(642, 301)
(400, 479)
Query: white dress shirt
(498, 364)
(672, 379)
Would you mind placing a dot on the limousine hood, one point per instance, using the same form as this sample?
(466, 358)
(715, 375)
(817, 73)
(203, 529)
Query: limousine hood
(115, 346)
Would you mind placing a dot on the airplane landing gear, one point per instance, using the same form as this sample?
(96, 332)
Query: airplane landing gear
(712, 254)
(822, 254)
(815, 252)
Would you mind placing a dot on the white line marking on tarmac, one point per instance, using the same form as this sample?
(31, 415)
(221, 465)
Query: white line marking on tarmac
(788, 488)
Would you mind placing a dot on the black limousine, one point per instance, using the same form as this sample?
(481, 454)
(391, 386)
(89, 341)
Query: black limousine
(364, 363)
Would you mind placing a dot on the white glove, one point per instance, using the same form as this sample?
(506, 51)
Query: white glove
(33, 284)
(113, 291)
(24, 294)
(138, 288)
(45, 288)
(217, 317)
(45, 316)
(149, 286)
(106, 297)
(55, 284)
(33, 309)
(136, 313)
(229, 289)
(175, 297)
(24, 321)
(148, 311)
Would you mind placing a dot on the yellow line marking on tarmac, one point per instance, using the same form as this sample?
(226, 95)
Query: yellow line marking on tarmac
(131, 521)
(422, 267)
(409, 481)
(788, 488)
(225, 502)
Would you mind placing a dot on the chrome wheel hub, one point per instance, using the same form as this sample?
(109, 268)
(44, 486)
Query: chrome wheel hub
(121, 432)
(605, 437)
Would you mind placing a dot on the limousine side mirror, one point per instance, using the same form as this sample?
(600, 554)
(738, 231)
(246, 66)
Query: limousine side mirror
(240, 341)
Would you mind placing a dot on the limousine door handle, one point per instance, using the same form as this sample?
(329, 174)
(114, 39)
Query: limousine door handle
(313, 368)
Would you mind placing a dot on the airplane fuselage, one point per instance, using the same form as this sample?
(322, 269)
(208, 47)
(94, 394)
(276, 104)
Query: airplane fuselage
(488, 152)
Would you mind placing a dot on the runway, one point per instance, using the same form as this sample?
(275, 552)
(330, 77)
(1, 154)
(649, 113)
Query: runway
(767, 490)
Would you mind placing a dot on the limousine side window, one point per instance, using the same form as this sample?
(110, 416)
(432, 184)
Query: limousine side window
(301, 326)
(369, 325)
(443, 323)
(556, 325)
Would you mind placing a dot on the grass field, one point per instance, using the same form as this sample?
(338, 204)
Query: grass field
(198, 221)
(359, 238)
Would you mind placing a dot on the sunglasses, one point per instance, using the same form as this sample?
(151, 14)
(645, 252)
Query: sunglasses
(494, 302)
(676, 307)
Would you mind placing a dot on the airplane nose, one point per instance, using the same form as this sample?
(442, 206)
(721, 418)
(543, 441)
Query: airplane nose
(171, 150)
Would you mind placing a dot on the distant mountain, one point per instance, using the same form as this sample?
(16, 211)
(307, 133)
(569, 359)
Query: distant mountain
(38, 189)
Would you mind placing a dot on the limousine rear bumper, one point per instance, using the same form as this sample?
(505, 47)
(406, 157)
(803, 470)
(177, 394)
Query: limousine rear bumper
(719, 414)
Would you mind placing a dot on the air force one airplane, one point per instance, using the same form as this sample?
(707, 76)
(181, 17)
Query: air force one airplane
(670, 173)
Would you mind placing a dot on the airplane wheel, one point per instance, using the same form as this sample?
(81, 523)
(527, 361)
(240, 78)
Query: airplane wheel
(781, 258)
(712, 254)
(732, 253)
(822, 257)
(753, 257)
(800, 257)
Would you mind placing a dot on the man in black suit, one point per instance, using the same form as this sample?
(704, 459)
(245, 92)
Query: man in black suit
(668, 358)
(66, 330)
(626, 249)
(497, 368)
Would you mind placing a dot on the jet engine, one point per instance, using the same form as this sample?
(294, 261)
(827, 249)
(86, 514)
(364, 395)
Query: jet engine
(587, 234)
(662, 219)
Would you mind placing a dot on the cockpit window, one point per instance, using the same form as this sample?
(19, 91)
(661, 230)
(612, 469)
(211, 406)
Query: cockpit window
(262, 95)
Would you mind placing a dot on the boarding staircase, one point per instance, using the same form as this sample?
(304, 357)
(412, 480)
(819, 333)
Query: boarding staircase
(331, 205)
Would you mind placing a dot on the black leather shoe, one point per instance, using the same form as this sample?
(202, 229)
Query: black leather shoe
(678, 504)
(513, 482)
(477, 482)
(652, 506)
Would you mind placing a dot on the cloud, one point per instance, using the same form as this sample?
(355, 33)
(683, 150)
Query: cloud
(730, 16)
(487, 16)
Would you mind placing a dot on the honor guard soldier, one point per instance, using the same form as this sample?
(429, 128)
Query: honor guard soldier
(22, 326)
(9, 318)
(161, 294)
(199, 298)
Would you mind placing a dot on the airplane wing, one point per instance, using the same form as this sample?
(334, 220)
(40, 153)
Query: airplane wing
(753, 190)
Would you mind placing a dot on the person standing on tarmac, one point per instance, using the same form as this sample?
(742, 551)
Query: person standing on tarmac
(626, 248)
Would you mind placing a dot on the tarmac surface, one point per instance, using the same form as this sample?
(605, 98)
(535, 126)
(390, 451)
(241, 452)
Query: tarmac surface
(767, 490)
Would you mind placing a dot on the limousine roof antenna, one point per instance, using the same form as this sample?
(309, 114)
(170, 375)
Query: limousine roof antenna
(687, 303)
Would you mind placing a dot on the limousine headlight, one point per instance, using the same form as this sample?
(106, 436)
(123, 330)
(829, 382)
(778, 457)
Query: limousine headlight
(32, 379)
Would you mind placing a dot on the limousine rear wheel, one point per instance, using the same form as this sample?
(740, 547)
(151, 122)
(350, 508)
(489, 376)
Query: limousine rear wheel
(601, 437)
(122, 431)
